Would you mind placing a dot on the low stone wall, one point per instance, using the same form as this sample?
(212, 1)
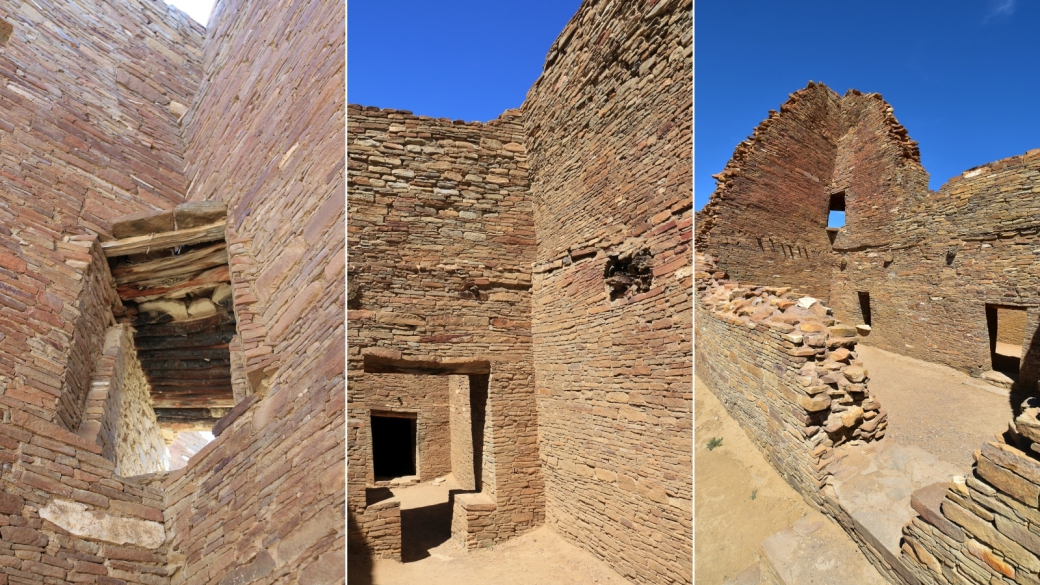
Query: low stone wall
(787, 371)
(66, 516)
(986, 528)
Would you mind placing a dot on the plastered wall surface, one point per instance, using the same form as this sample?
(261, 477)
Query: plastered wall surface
(608, 135)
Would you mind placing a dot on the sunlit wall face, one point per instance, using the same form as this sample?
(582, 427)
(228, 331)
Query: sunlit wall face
(197, 9)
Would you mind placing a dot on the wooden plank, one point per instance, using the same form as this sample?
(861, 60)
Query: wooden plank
(161, 364)
(197, 341)
(138, 244)
(384, 365)
(186, 263)
(219, 352)
(190, 283)
(213, 322)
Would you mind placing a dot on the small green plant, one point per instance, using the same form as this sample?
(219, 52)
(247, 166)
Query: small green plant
(714, 442)
(754, 494)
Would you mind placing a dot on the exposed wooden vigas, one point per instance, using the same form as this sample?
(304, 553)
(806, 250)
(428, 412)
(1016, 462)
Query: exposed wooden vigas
(174, 283)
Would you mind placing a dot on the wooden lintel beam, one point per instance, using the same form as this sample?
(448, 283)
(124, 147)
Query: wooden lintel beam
(138, 244)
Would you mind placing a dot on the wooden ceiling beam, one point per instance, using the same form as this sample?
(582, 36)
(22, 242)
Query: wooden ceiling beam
(162, 240)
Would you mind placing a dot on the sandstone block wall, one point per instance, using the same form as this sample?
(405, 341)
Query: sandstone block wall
(962, 248)
(265, 135)
(788, 373)
(427, 397)
(766, 222)
(119, 414)
(609, 139)
(66, 517)
(441, 239)
(982, 529)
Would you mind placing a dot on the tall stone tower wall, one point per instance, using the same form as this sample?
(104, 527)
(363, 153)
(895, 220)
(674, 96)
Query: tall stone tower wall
(609, 138)
(265, 135)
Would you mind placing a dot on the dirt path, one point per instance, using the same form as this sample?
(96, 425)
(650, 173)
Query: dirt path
(729, 525)
(431, 557)
(934, 407)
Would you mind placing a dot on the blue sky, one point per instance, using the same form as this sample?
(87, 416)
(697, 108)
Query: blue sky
(459, 59)
(963, 77)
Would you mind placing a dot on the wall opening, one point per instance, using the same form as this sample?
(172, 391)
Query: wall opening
(864, 307)
(1007, 331)
(393, 444)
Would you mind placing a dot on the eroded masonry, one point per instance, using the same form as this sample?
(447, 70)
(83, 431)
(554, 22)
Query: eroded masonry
(171, 259)
(519, 291)
(949, 277)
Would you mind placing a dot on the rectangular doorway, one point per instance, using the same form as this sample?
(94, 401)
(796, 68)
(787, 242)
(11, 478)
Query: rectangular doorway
(864, 307)
(393, 444)
(1007, 333)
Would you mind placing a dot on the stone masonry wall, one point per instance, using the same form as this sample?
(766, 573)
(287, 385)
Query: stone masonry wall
(66, 517)
(427, 396)
(264, 501)
(969, 245)
(119, 415)
(87, 134)
(441, 243)
(983, 528)
(608, 128)
(766, 221)
(788, 373)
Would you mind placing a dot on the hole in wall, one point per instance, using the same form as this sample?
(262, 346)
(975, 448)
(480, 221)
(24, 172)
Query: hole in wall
(864, 307)
(393, 445)
(628, 275)
(1007, 332)
(6, 28)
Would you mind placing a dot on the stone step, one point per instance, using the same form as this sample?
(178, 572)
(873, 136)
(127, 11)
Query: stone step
(815, 551)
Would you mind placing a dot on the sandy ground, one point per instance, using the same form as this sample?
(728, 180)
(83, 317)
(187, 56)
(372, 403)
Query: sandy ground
(729, 525)
(431, 557)
(934, 407)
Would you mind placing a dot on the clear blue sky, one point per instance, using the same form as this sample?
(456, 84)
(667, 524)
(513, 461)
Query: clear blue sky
(461, 59)
(963, 77)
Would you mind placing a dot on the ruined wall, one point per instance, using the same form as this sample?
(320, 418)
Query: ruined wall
(766, 221)
(788, 373)
(265, 135)
(982, 528)
(119, 415)
(427, 396)
(609, 137)
(441, 242)
(969, 245)
(65, 515)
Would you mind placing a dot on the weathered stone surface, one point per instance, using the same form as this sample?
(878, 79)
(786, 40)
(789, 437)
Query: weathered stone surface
(1008, 482)
(927, 502)
(76, 519)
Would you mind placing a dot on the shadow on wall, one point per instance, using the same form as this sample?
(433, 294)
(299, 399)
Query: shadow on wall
(359, 559)
(1029, 369)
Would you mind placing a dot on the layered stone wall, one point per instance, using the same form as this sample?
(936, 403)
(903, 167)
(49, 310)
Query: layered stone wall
(608, 128)
(787, 372)
(119, 414)
(265, 135)
(969, 245)
(441, 242)
(87, 134)
(66, 517)
(982, 528)
(427, 398)
(766, 221)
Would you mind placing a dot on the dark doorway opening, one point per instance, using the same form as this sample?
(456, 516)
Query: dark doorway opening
(478, 396)
(393, 445)
(1007, 331)
(864, 306)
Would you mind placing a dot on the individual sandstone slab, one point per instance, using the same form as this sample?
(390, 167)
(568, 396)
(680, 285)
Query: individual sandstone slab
(184, 216)
(95, 525)
(162, 240)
